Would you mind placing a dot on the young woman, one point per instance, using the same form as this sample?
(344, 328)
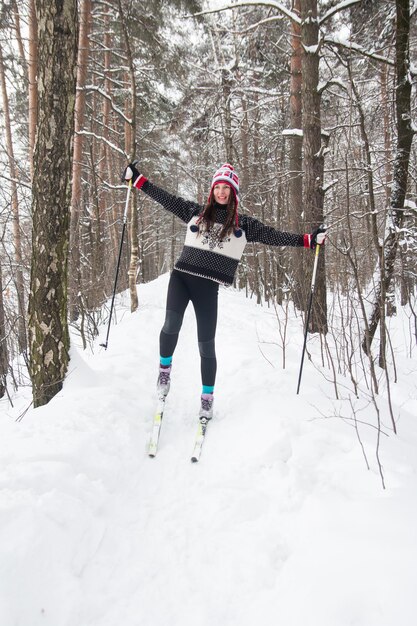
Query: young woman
(214, 243)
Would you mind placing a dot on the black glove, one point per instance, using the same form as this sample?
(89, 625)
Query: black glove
(317, 237)
(131, 173)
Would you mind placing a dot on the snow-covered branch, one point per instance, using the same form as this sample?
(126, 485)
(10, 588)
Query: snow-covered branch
(345, 4)
(292, 132)
(278, 6)
(87, 133)
(107, 97)
(333, 82)
(330, 184)
(349, 45)
(267, 20)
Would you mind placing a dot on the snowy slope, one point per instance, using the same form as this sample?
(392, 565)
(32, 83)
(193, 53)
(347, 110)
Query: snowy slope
(280, 522)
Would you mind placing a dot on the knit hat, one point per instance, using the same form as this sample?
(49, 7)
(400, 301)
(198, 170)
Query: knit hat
(226, 174)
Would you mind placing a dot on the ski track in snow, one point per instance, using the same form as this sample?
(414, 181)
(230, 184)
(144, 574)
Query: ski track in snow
(280, 522)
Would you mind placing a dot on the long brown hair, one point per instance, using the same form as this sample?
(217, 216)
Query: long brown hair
(209, 214)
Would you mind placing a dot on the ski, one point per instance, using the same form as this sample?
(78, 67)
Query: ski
(156, 427)
(199, 440)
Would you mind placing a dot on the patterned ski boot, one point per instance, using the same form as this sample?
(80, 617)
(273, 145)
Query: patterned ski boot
(164, 381)
(206, 410)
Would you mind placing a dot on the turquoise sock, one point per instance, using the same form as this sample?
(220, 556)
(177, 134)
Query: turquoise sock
(165, 360)
(207, 389)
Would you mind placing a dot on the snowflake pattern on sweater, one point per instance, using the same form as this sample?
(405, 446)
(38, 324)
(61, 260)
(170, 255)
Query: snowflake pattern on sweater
(212, 238)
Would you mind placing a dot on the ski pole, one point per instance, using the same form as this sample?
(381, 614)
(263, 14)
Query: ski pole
(313, 282)
(129, 189)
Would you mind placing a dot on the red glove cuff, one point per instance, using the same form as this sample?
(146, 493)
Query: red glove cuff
(307, 240)
(139, 181)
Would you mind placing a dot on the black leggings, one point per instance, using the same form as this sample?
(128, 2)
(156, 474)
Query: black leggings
(203, 294)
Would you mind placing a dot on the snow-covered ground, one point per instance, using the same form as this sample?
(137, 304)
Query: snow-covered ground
(281, 522)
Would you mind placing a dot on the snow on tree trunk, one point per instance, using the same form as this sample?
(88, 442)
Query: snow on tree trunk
(48, 325)
(400, 173)
(313, 151)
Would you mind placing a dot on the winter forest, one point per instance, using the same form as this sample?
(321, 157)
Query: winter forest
(302, 510)
(313, 102)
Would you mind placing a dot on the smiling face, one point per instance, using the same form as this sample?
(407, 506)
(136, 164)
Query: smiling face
(221, 193)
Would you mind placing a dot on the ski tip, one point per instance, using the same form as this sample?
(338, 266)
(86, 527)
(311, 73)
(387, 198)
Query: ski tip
(152, 450)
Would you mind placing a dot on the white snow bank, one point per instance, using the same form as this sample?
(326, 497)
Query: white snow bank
(279, 523)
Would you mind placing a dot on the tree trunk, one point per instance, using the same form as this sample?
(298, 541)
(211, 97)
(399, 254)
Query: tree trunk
(33, 87)
(225, 98)
(300, 280)
(18, 30)
(401, 162)
(385, 103)
(76, 196)
(4, 356)
(20, 285)
(130, 151)
(102, 274)
(48, 326)
(313, 152)
(226, 82)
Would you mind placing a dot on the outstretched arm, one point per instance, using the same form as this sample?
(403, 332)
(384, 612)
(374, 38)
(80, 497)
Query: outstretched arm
(184, 209)
(257, 231)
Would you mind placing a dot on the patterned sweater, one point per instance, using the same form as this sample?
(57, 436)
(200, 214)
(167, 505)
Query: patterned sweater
(204, 253)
